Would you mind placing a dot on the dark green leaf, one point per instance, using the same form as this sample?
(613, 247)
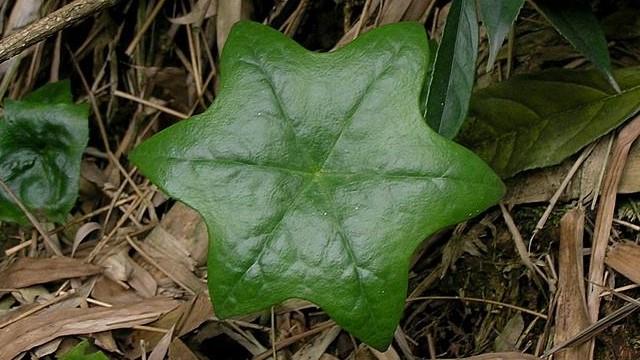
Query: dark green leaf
(576, 22)
(539, 120)
(317, 176)
(454, 70)
(83, 351)
(41, 142)
(498, 17)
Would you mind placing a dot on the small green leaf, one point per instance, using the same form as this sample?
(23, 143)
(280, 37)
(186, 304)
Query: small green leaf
(317, 176)
(41, 142)
(498, 17)
(539, 120)
(454, 70)
(575, 21)
(83, 351)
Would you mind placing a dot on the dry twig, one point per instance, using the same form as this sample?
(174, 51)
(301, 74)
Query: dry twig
(49, 25)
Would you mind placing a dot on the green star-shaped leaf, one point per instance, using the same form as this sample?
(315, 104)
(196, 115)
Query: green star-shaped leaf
(317, 176)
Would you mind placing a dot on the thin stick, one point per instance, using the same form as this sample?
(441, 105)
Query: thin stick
(273, 334)
(554, 199)
(631, 226)
(91, 214)
(363, 17)
(99, 303)
(17, 248)
(602, 171)
(150, 328)
(595, 328)
(150, 104)
(94, 103)
(32, 219)
(620, 289)
(103, 241)
(134, 43)
(290, 340)
(64, 17)
(471, 299)
(519, 242)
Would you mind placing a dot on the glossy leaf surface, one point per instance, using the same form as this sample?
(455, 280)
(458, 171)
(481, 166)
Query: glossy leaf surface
(575, 21)
(498, 17)
(541, 119)
(317, 176)
(41, 141)
(454, 70)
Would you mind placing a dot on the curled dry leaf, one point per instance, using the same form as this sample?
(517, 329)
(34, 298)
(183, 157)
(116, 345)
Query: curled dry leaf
(82, 234)
(30, 271)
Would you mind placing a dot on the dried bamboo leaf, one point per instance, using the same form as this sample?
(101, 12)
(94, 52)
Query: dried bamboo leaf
(38, 329)
(31, 271)
(624, 258)
(571, 311)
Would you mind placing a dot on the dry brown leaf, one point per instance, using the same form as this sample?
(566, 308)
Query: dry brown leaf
(22, 13)
(47, 349)
(540, 185)
(508, 338)
(188, 229)
(90, 172)
(179, 351)
(47, 325)
(105, 340)
(30, 294)
(326, 356)
(394, 11)
(201, 10)
(229, 13)
(110, 292)
(195, 313)
(176, 247)
(624, 258)
(31, 271)
(503, 356)
(141, 280)
(417, 9)
(161, 349)
(117, 265)
(390, 354)
(313, 350)
(362, 353)
(571, 309)
(619, 155)
(152, 338)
